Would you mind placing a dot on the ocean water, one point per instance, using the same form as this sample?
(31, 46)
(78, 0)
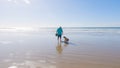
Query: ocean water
(66, 29)
(89, 47)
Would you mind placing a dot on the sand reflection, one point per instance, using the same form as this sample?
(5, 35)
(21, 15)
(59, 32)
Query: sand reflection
(32, 64)
(13, 67)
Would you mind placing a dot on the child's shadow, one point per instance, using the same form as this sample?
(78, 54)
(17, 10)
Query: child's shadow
(62, 45)
(59, 48)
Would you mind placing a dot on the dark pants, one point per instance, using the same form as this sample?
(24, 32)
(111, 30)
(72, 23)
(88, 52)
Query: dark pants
(59, 36)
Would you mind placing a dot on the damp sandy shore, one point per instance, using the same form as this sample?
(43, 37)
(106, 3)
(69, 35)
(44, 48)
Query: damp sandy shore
(42, 50)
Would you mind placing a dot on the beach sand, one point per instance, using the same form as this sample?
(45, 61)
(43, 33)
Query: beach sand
(42, 50)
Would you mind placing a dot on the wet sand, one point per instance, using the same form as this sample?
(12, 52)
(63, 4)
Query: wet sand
(42, 50)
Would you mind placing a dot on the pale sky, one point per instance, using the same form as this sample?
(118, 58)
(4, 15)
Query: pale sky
(70, 13)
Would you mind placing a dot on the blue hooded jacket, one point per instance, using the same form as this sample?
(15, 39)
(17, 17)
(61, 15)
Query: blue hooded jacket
(59, 31)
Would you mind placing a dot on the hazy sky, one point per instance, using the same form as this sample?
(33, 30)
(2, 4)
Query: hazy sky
(59, 13)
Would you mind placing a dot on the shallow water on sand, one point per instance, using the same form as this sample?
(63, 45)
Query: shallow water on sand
(42, 50)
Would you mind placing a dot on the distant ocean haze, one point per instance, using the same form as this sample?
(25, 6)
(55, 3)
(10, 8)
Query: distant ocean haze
(65, 29)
